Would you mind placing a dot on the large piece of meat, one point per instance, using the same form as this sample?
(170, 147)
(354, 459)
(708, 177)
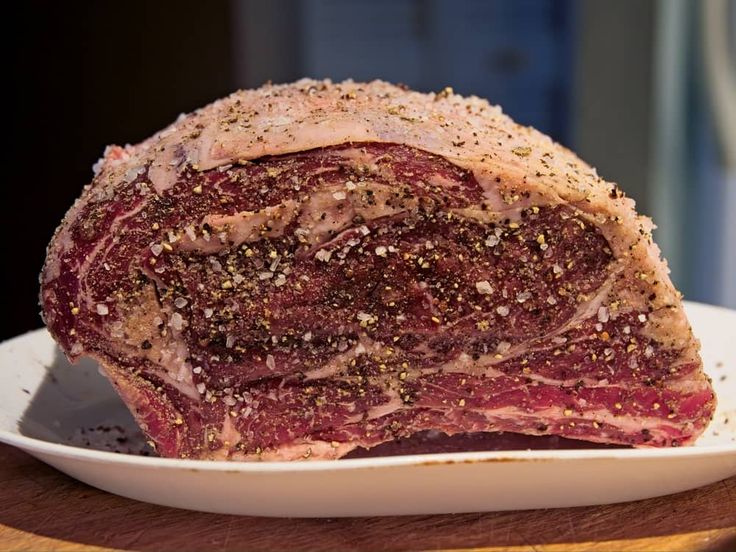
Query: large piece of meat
(301, 270)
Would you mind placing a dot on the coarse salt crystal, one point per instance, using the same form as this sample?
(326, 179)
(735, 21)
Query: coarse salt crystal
(180, 302)
(267, 275)
(364, 230)
(323, 255)
(274, 264)
(484, 287)
(502, 310)
(230, 341)
(642, 318)
(176, 321)
(365, 317)
(201, 388)
(270, 362)
(339, 195)
(208, 313)
(523, 296)
(381, 251)
(557, 269)
(193, 158)
(102, 309)
(215, 264)
(551, 300)
(97, 167)
(157, 249)
(197, 369)
(307, 336)
(503, 346)
(131, 174)
(602, 314)
(492, 241)
(280, 280)
(350, 185)
(117, 329)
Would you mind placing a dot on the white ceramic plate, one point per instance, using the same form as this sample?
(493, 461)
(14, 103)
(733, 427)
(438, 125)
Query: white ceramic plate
(44, 402)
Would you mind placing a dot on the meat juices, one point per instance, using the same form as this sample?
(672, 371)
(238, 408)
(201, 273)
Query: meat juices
(303, 270)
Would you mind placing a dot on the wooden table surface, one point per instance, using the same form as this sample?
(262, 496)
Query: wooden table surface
(41, 509)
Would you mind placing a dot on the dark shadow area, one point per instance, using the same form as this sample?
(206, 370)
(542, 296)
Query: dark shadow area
(76, 405)
(82, 76)
(434, 442)
(34, 493)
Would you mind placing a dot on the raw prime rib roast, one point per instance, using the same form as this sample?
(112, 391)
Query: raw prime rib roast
(301, 270)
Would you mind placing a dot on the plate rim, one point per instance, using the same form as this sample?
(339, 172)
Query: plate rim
(33, 445)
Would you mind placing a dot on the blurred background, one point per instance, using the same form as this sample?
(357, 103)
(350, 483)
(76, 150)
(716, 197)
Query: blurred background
(644, 90)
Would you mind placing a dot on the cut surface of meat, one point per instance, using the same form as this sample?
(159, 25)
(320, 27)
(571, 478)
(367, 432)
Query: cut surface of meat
(306, 270)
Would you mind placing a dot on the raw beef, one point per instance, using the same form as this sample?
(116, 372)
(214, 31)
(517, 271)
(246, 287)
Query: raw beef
(303, 270)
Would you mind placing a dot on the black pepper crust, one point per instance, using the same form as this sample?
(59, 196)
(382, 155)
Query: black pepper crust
(195, 238)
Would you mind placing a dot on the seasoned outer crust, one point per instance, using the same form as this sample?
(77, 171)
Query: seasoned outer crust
(506, 158)
(119, 313)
